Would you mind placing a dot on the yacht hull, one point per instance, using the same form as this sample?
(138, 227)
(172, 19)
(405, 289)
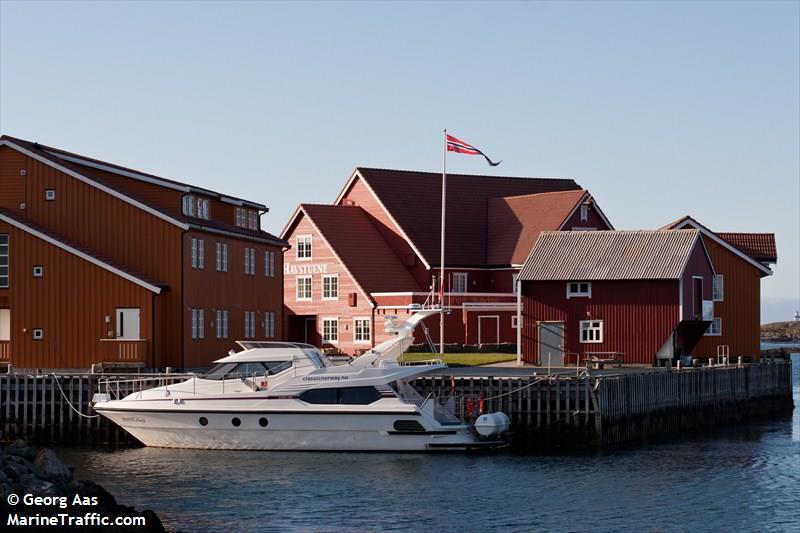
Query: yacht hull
(302, 431)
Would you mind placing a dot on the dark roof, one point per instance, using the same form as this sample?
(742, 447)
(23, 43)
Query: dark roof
(414, 201)
(364, 252)
(101, 176)
(29, 226)
(515, 222)
(610, 255)
(759, 246)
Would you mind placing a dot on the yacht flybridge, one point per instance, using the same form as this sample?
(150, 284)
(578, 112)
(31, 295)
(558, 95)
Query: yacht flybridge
(289, 396)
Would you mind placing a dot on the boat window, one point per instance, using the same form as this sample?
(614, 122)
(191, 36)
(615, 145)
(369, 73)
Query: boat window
(219, 371)
(249, 369)
(358, 395)
(276, 367)
(320, 396)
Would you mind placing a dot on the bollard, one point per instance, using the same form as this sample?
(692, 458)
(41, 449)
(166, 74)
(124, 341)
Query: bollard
(739, 361)
(679, 364)
(710, 361)
(168, 370)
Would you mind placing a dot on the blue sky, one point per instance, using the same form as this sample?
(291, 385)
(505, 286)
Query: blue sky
(659, 109)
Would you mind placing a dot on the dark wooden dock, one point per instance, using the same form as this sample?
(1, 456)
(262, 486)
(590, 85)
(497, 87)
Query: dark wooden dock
(548, 412)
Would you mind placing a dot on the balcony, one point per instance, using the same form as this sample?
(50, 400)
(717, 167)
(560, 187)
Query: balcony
(124, 350)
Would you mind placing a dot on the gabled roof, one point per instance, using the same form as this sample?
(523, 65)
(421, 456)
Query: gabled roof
(95, 173)
(611, 255)
(515, 222)
(359, 246)
(413, 200)
(762, 245)
(82, 252)
(759, 246)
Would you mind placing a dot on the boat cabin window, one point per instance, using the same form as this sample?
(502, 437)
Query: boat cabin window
(344, 396)
(319, 360)
(239, 370)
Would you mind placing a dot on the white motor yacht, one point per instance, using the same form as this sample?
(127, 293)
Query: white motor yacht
(288, 396)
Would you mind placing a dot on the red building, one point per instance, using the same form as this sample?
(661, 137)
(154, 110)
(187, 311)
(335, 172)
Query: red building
(740, 260)
(375, 251)
(646, 295)
(105, 264)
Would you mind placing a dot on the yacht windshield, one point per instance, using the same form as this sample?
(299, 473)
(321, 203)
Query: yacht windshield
(241, 370)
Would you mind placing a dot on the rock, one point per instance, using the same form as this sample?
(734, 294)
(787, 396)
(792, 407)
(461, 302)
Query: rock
(49, 467)
(18, 448)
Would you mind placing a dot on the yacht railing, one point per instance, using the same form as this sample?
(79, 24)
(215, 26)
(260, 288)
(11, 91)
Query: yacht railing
(118, 388)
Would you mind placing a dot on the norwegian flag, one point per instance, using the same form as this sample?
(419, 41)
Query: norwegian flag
(460, 147)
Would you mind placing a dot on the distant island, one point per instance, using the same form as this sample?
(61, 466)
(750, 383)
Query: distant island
(781, 331)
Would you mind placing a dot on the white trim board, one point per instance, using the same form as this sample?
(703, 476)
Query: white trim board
(89, 181)
(82, 255)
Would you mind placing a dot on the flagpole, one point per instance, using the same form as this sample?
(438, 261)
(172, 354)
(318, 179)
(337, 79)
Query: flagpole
(441, 251)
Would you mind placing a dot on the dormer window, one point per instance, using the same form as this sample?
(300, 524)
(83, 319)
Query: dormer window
(247, 218)
(196, 207)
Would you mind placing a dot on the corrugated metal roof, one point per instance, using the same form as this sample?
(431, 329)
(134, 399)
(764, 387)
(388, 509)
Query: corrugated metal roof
(608, 255)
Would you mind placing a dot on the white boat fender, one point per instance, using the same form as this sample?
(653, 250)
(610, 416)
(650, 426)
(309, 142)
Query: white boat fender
(492, 424)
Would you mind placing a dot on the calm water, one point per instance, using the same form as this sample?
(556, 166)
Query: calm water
(745, 478)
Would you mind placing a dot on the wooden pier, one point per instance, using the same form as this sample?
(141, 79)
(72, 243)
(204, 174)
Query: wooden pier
(548, 412)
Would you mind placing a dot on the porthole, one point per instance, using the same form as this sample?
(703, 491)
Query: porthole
(263, 422)
(203, 421)
(236, 422)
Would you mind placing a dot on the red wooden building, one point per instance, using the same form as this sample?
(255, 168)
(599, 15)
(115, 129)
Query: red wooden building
(105, 264)
(375, 251)
(740, 260)
(645, 295)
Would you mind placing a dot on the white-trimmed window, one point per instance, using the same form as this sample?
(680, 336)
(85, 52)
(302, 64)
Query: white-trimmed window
(222, 324)
(50, 195)
(203, 208)
(584, 212)
(719, 287)
(362, 330)
(252, 219)
(591, 331)
(38, 271)
(198, 324)
(4, 261)
(249, 324)
(269, 264)
(189, 205)
(459, 282)
(250, 261)
(222, 257)
(579, 289)
(303, 288)
(514, 322)
(38, 334)
(330, 287)
(269, 324)
(303, 246)
(198, 253)
(241, 217)
(715, 328)
(330, 330)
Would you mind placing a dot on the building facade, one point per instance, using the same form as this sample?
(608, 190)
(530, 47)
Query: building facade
(640, 296)
(740, 260)
(105, 264)
(378, 245)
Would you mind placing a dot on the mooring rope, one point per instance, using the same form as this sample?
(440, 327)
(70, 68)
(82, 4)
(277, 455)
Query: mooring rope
(69, 402)
(535, 382)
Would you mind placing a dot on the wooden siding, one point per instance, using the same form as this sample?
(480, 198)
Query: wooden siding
(594, 220)
(233, 291)
(70, 303)
(12, 189)
(698, 265)
(740, 309)
(120, 231)
(323, 256)
(638, 316)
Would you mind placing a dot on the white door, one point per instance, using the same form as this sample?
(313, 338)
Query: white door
(5, 324)
(128, 324)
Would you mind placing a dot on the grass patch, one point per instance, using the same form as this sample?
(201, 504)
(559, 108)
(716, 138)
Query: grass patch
(462, 359)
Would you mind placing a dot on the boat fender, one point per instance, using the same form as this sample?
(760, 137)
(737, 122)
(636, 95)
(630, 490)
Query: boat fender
(492, 424)
(480, 406)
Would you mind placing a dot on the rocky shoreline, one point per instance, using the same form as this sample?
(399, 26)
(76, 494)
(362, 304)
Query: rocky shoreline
(29, 472)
